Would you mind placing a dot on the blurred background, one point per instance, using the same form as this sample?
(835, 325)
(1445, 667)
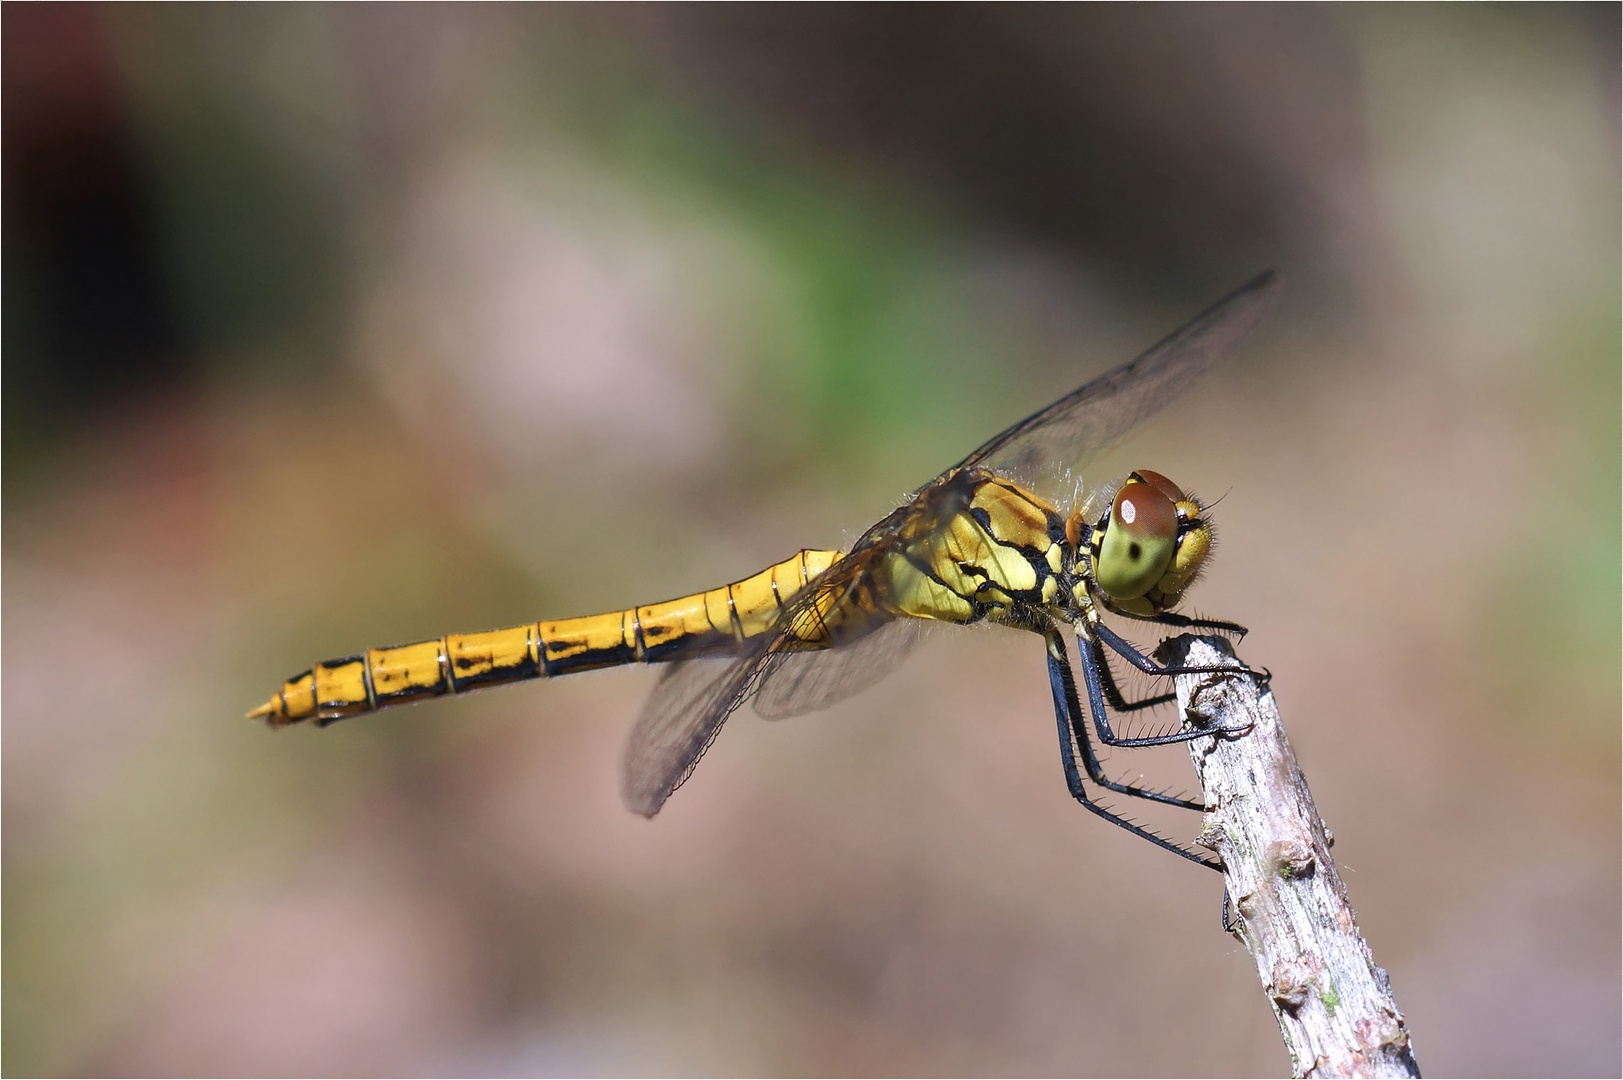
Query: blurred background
(336, 326)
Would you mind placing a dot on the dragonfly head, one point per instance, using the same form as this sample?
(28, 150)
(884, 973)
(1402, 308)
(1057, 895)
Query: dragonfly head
(1150, 546)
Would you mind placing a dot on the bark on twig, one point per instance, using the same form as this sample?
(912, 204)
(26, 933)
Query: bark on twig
(1333, 1004)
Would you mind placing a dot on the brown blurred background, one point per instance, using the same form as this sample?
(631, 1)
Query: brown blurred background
(327, 327)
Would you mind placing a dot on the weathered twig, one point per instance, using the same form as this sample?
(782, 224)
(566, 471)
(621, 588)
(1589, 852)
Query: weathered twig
(1333, 1004)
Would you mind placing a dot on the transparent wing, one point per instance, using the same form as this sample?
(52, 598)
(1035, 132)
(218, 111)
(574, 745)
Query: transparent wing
(1077, 426)
(796, 683)
(695, 696)
(845, 605)
(680, 721)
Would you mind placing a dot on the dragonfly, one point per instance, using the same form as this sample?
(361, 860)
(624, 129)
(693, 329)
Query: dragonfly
(979, 543)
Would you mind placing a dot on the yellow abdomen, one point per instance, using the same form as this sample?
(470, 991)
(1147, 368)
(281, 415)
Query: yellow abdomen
(399, 675)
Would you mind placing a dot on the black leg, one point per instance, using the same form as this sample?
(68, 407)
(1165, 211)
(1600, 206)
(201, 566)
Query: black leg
(1172, 618)
(1067, 710)
(1085, 743)
(1107, 681)
(1127, 651)
(1093, 662)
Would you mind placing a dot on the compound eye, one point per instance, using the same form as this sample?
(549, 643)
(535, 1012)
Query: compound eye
(1139, 542)
(1161, 484)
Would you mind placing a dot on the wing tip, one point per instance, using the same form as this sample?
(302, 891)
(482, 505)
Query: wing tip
(1230, 319)
(1265, 286)
(642, 802)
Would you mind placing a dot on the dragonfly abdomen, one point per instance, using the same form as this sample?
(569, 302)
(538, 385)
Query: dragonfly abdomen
(455, 663)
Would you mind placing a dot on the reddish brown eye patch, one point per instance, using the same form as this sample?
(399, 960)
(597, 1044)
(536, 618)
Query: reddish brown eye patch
(1161, 484)
(1145, 512)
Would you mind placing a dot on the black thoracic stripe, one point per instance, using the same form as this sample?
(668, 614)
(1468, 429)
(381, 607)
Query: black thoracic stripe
(1055, 523)
(1035, 558)
(1039, 564)
(974, 570)
(924, 569)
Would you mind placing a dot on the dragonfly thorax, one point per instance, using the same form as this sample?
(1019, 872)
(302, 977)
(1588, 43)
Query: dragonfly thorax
(1148, 547)
(980, 546)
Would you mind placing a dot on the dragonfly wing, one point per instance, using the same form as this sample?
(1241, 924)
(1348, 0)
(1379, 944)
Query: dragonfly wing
(796, 683)
(1077, 426)
(696, 695)
(682, 718)
(844, 612)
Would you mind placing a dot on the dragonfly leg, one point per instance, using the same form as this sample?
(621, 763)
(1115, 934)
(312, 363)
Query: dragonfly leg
(1129, 652)
(1186, 622)
(1074, 726)
(1113, 694)
(1096, 672)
